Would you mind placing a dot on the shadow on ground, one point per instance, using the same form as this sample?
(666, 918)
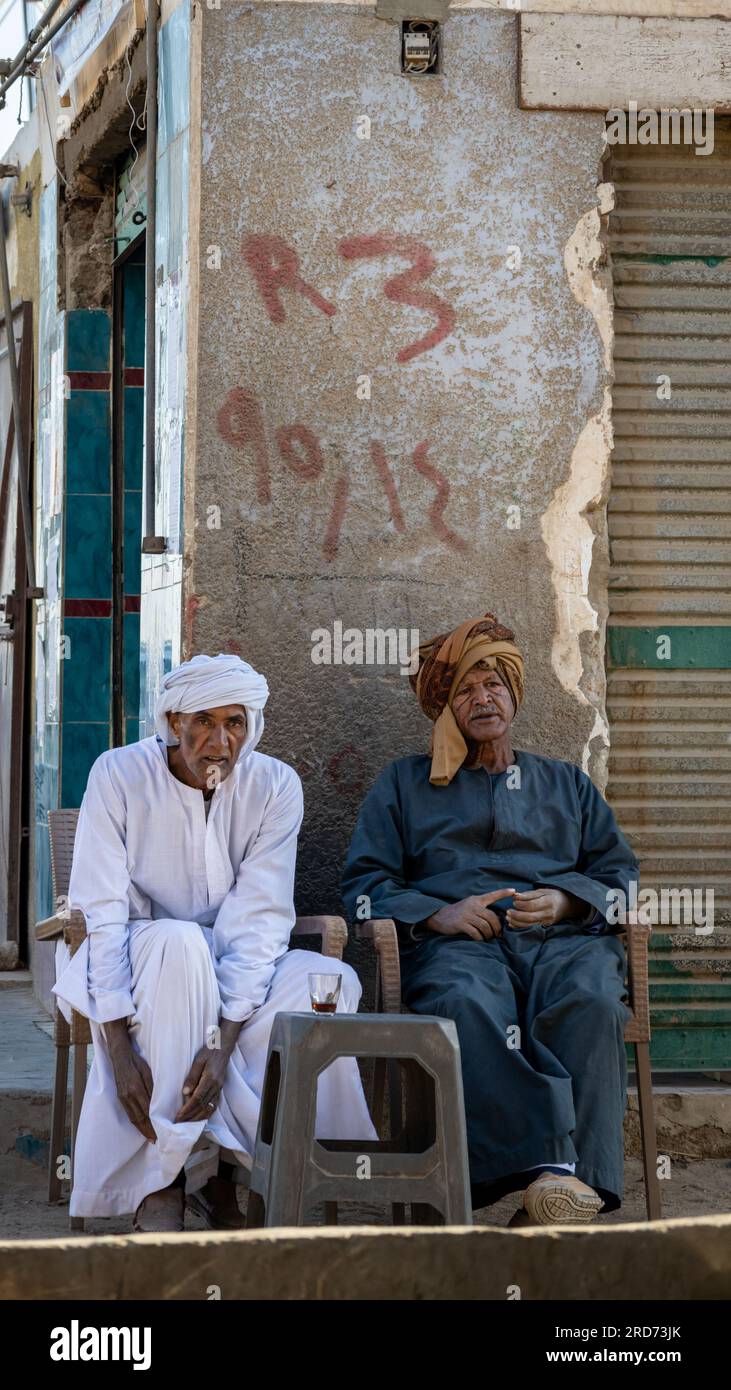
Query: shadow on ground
(694, 1189)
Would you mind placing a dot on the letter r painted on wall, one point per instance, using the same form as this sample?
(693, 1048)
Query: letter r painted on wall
(275, 267)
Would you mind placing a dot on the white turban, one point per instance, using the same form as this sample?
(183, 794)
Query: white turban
(207, 682)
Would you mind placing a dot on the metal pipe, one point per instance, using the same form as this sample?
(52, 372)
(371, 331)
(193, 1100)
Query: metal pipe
(31, 49)
(26, 41)
(23, 484)
(47, 15)
(151, 544)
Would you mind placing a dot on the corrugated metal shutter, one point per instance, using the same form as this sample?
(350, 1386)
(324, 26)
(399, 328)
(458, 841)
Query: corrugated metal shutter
(669, 640)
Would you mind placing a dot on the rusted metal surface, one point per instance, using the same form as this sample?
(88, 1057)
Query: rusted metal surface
(669, 704)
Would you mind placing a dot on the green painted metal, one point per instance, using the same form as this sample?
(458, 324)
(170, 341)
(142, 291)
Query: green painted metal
(696, 1047)
(685, 992)
(690, 648)
(679, 969)
(666, 259)
(131, 201)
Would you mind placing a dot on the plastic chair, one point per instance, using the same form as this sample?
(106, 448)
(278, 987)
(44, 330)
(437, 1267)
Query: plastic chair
(70, 925)
(382, 933)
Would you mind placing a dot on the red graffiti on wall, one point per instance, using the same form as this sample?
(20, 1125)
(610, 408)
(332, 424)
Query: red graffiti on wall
(241, 424)
(402, 288)
(436, 510)
(337, 514)
(347, 771)
(312, 464)
(275, 267)
(389, 487)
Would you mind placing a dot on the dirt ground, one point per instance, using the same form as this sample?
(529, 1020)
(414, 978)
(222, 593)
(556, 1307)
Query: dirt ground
(694, 1189)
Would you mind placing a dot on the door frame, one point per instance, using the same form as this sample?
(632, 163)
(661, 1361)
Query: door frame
(18, 611)
(118, 480)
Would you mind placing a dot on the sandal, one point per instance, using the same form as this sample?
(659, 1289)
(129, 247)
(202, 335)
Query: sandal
(216, 1203)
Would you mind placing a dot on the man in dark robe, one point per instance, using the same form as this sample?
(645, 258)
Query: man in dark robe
(501, 870)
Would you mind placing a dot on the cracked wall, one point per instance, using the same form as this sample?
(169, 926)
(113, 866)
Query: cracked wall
(96, 137)
(455, 259)
(574, 525)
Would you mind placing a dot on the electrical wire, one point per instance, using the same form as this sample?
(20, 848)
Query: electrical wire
(136, 121)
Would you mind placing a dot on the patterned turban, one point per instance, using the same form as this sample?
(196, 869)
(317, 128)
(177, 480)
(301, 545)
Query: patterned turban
(442, 663)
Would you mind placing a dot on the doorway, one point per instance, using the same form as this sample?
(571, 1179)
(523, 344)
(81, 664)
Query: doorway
(128, 390)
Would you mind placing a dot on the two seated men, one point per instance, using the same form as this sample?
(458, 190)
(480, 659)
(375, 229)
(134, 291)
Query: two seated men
(497, 866)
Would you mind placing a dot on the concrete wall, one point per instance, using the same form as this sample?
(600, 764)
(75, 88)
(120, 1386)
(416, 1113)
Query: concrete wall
(665, 1260)
(489, 384)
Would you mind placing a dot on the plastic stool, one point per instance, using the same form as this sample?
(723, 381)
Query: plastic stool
(425, 1164)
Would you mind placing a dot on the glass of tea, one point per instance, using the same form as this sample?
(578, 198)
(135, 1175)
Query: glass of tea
(324, 992)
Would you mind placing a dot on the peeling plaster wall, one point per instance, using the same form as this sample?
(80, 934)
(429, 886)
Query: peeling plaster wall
(574, 524)
(393, 511)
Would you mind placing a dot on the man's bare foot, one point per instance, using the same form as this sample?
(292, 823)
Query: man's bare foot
(161, 1211)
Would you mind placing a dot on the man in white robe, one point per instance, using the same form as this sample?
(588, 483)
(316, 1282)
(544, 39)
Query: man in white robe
(183, 867)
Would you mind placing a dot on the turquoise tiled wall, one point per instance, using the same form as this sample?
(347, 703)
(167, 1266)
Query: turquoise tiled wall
(88, 423)
(86, 688)
(133, 361)
(87, 679)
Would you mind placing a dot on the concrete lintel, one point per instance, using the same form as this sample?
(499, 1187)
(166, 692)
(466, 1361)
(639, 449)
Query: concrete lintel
(395, 10)
(693, 9)
(688, 1259)
(600, 62)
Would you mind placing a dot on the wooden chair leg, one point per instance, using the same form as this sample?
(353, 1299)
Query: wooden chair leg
(78, 1086)
(62, 1036)
(648, 1131)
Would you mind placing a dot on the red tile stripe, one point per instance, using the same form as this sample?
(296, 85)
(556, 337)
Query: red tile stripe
(89, 381)
(87, 608)
(98, 607)
(134, 376)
